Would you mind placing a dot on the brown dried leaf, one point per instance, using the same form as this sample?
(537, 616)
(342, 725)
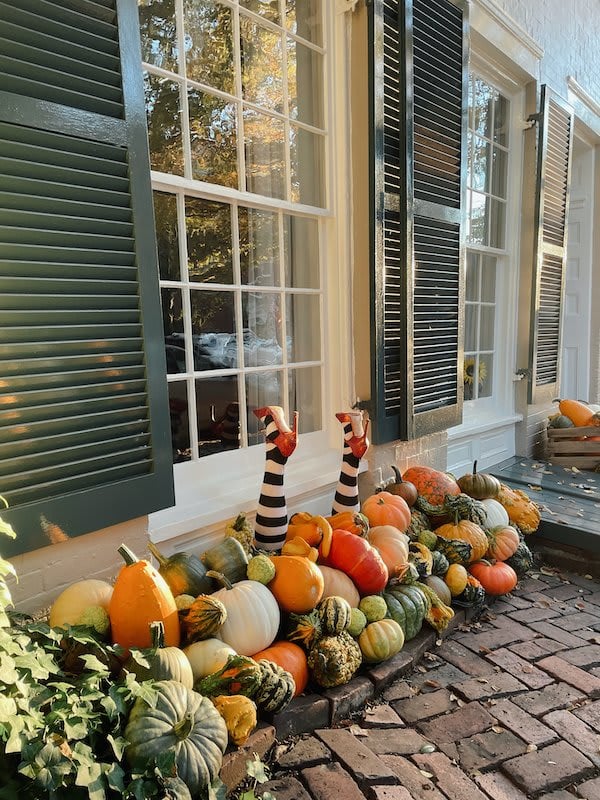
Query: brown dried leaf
(433, 684)
(426, 774)
(531, 748)
(497, 729)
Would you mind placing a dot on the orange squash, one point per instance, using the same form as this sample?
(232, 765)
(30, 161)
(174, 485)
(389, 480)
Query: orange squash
(141, 596)
(290, 657)
(580, 414)
(352, 521)
(466, 531)
(384, 508)
(298, 583)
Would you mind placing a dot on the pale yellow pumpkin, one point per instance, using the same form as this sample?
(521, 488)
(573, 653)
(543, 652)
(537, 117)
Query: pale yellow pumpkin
(72, 601)
(392, 546)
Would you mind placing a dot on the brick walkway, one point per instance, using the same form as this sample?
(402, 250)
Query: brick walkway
(504, 708)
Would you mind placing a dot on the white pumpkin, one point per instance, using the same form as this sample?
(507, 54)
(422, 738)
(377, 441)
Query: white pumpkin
(339, 584)
(253, 616)
(72, 601)
(207, 656)
(496, 514)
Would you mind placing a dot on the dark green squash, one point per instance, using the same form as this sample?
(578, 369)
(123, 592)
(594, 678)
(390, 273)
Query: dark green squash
(456, 550)
(479, 485)
(440, 563)
(334, 613)
(560, 421)
(184, 572)
(407, 605)
(418, 522)
(521, 561)
(229, 558)
(276, 689)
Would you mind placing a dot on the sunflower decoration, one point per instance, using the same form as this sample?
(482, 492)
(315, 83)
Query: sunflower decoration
(469, 372)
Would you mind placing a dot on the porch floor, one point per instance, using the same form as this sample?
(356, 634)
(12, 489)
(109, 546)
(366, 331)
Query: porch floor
(569, 499)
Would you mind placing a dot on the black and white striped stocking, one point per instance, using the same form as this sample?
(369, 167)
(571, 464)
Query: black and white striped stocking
(355, 446)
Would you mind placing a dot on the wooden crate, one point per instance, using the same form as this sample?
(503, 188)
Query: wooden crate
(571, 447)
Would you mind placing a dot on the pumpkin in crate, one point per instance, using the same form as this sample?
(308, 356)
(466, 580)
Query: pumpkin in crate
(380, 640)
(383, 508)
(184, 572)
(183, 721)
(465, 531)
(431, 484)
(479, 485)
(290, 657)
(253, 615)
(407, 605)
(361, 562)
(521, 510)
(404, 489)
(392, 546)
(202, 619)
(72, 602)
(496, 577)
(560, 421)
(502, 542)
(160, 663)
(580, 414)
(336, 582)
(298, 583)
(333, 660)
(141, 596)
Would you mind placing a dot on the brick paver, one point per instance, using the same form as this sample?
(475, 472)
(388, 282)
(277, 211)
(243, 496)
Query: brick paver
(562, 670)
(552, 767)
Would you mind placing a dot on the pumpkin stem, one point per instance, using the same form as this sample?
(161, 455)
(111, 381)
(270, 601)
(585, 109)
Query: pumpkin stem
(238, 525)
(162, 560)
(397, 474)
(220, 578)
(157, 634)
(128, 556)
(475, 467)
(183, 727)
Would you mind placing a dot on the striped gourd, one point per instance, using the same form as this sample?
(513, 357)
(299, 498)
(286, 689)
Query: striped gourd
(276, 689)
(456, 551)
(334, 613)
(407, 605)
(203, 618)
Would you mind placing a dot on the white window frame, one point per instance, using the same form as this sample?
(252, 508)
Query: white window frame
(215, 488)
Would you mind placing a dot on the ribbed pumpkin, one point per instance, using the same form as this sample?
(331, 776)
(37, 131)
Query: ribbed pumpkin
(291, 658)
(384, 508)
(276, 689)
(392, 546)
(164, 663)
(479, 484)
(465, 531)
(497, 578)
(338, 583)
(495, 513)
(502, 542)
(431, 484)
(381, 640)
(184, 572)
(361, 562)
(334, 613)
(298, 583)
(203, 618)
(141, 596)
(407, 605)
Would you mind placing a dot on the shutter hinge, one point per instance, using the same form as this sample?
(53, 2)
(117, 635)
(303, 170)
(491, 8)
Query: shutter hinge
(521, 374)
(531, 120)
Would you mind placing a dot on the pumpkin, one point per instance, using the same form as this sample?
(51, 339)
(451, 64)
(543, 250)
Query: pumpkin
(407, 605)
(304, 628)
(239, 714)
(358, 622)
(384, 508)
(203, 618)
(334, 613)
(496, 577)
(521, 561)
(161, 663)
(431, 484)
(291, 658)
(184, 572)
(141, 596)
(560, 421)
(70, 604)
(228, 558)
(404, 489)
(276, 689)
(456, 579)
(381, 640)
(336, 582)
(373, 607)
(457, 551)
(207, 656)
(252, 614)
(333, 660)
(521, 510)
(580, 414)
(298, 583)
(465, 531)
(479, 484)
(361, 562)
(352, 521)
(502, 542)
(420, 555)
(440, 587)
(183, 721)
(392, 546)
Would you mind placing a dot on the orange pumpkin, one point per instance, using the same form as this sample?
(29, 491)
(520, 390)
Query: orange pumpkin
(466, 531)
(392, 546)
(496, 577)
(580, 414)
(141, 596)
(290, 657)
(352, 521)
(298, 583)
(385, 508)
(503, 541)
(432, 484)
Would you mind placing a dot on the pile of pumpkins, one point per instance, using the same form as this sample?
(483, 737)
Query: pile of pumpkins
(236, 633)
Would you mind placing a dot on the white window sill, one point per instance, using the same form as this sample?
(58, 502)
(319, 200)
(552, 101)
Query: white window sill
(481, 425)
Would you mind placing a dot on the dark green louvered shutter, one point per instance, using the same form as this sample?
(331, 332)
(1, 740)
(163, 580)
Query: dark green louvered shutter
(84, 423)
(555, 140)
(418, 91)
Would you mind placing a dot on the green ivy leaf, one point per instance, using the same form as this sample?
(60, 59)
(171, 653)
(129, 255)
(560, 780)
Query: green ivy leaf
(115, 777)
(93, 664)
(118, 745)
(257, 770)
(7, 529)
(8, 672)
(75, 728)
(90, 776)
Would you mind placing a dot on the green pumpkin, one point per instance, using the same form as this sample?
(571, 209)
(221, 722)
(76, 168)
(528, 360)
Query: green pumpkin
(560, 421)
(521, 560)
(229, 558)
(183, 572)
(381, 640)
(407, 605)
(334, 613)
(184, 721)
(164, 663)
(276, 689)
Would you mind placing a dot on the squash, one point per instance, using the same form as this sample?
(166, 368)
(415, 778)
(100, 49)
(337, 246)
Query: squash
(404, 489)
(358, 622)
(473, 594)
(291, 658)
(418, 522)
(260, 568)
(239, 714)
(521, 510)
(183, 721)
(70, 604)
(422, 558)
(479, 484)
(228, 558)
(381, 640)
(241, 528)
(202, 619)
(495, 513)
(456, 579)
(298, 583)
(163, 663)
(560, 421)
(276, 689)
(334, 613)
(439, 563)
(141, 596)
(580, 414)
(465, 531)
(496, 577)
(315, 530)
(521, 561)
(440, 587)
(333, 660)
(352, 521)
(431, 484)
(392, 546)
(336, 582)
(304, 628)
(373, 607)
(457, 551)
(384, 508)
(238, 675)
(407, 605)
(184, 572)
(252, 614)
(361, 562)
(438, 614)
(207, 656)
(502, 542)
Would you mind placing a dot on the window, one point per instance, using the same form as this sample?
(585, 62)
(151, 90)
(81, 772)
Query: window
(236, 115)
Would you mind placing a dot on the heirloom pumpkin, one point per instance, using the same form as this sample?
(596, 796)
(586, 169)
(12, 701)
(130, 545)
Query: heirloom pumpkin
(70, 604)
(163, 663)
(298, 583)
(361, 562)
(184, 572)
(468, 532)
(431, 484)
(502, 542)
(497, 577)
(381, 640)
(336, 582)
(392, 546)
(384, 508)
(207, 656)
(404, 489)
(479, 484)
(407, 605)
(521, 510)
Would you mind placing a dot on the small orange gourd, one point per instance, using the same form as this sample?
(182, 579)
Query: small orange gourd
(140, 596)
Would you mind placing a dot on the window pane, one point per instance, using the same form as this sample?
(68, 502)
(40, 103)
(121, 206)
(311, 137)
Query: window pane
(307, 166)
(167, 240)
(209, 44)
(471, 326)
(259, 247)
(480, 150)
(501, 120)
(472, 280)
(208, 228)
(486, 327)
(483, 100)
(301, 251)
(180, 426)
(469, 382)
(305, 397)
(213, 139)
(499, 172)
(303, 328)
(213, 330)
(265, 154)
(262, 389)
(497, 222)
(172, 314)
(261, 54)
(478, 220)
(269, 9)
(261, 315)
(158, 33)
(486, 364)
(305, 83)
(163, 112)
(488, 279)
(303, 17)
(217, 415)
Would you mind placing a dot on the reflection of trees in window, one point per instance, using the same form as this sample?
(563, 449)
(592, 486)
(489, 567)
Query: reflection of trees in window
(213, 137)
(208, 226)
(208, 43)
(261, 61)
(158, 32)
(164, 124)
(167, 240)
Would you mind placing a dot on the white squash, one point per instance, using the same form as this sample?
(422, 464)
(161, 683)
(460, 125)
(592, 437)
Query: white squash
(339, 584)
(73, 601)
(207, 656)
(496, 514)
(253, 616)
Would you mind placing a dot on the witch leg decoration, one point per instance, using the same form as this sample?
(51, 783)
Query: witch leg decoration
(355, 446)
(271, 515)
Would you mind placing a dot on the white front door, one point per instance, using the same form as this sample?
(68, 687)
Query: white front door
(575, 365)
